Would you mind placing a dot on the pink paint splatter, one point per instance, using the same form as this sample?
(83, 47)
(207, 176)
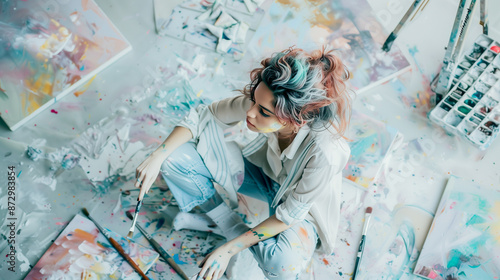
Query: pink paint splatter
(453, 204)
(54, 111)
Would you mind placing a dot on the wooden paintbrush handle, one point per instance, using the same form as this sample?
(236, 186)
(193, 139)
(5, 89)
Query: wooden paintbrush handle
(120, 250)
(168, 258)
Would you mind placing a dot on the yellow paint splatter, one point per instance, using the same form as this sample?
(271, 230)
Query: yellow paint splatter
(85, 87)
(495, 226)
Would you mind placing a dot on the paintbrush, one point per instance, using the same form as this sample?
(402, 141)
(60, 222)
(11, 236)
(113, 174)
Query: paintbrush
(394, 34)
(159, 249)
(116, 245)
(452, 50)
(368, 213)
(134, 220)
(484, 17)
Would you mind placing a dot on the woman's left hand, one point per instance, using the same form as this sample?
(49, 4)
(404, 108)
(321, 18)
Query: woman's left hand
(215, 263)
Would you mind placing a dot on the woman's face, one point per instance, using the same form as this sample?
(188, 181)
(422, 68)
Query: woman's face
(260, 116)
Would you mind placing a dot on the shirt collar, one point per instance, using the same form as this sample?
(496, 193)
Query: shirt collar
(291, 150)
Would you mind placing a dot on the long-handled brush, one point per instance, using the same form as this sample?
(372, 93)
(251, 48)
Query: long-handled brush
(368, 213)
(137, 209)
(116, 245)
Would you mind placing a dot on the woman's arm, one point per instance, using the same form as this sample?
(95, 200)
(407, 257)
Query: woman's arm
(227, 112)
(148, 170)
(215, 264)
(268, 228)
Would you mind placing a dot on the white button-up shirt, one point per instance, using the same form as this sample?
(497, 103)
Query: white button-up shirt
(309, 170)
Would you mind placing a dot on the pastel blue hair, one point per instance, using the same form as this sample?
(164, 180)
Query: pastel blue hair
(307, 88)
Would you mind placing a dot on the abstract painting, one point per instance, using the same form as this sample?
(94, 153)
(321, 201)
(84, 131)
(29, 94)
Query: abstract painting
(348, 26)
(371, 142)
(464, 239)
(82, 252)
(48, 49)
(209, 25)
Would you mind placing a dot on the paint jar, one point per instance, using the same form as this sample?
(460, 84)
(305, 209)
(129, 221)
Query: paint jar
(477, 95)
(459, 92)
(463, 85)
(479, 115)
(476, 51)
(482, 87)
(496, 61)
(494, 93)
(484, 41)
(441, 111)
(489, 78)
(495, 72)
(489, 102)
(491, 125)
(456, 96)
(489, 55)
(467, 127)
(466, 62)
(495, 48)
(474, 120)
(483, 109)
(480, 135)
(451, 101)
(475, 72)
(468, 80)
(459, 72)
(469, 102)
(454, 117)
(485, 130)
(482, 64)
(495, 116)
(445, 106)
(464, 110)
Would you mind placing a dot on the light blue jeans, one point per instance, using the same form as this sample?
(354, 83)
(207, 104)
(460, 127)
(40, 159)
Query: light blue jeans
(284, 256)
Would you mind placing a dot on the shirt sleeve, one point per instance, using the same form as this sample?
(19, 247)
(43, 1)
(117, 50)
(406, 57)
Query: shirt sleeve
(297, 204)
(230, 111)
(226, 112)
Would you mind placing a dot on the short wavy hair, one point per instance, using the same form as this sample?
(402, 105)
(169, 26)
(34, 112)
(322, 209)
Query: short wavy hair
(308, 88)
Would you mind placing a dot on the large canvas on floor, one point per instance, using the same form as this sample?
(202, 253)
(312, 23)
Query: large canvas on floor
(464, 239)
(82, 252)
(370, 141)
(48, 49)
(347, 25)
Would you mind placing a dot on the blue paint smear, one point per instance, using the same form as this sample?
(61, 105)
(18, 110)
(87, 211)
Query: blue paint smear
(160, 223)
(475, 219)
(177, 260)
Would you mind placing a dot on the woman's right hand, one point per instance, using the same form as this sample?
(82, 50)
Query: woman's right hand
(147, 172)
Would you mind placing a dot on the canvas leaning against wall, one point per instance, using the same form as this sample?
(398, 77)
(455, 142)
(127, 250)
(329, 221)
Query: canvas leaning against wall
(49, 49)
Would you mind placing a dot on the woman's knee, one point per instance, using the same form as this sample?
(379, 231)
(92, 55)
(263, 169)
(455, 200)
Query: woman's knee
(283, 263)
(181, 160)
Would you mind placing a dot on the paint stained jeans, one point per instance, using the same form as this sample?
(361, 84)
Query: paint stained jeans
(283, 256)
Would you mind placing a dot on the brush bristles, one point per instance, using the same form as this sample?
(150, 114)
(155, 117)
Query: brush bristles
(84, 210)
(130, 234)
(368, 210)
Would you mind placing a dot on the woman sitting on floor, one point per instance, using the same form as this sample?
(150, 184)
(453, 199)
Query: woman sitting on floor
(299, 105)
